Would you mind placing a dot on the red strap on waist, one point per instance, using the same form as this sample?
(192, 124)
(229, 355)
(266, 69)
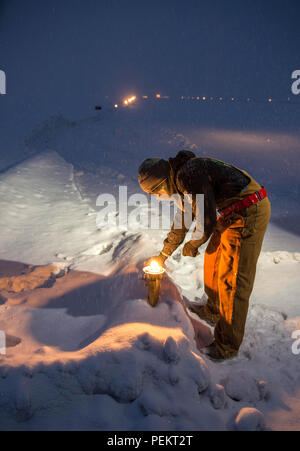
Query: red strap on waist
(244, 203)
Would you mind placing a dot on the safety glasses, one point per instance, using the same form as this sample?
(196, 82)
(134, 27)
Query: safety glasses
(157, 186)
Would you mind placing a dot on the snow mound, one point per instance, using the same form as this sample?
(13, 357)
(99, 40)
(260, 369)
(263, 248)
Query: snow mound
(241, 386)
(250, 419)
(132, 363)
(218, 397)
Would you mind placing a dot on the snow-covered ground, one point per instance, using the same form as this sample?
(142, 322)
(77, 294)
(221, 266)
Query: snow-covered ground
(84, 348)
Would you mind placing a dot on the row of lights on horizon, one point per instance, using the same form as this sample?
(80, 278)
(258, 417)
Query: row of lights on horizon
(132, 99)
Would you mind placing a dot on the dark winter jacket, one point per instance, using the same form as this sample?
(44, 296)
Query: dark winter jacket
(218, 181)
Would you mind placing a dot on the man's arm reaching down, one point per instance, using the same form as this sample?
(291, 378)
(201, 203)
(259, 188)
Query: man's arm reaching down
(176, 235)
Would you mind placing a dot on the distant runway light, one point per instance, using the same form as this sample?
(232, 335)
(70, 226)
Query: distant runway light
(116, 105)
(129, 100)
(158, 96)
(203, 98)
(270, 100)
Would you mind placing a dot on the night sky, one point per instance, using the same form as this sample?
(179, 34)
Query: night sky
(62, 56)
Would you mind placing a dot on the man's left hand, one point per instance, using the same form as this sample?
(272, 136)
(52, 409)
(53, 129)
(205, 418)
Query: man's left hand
(160, 259)
(189, 250)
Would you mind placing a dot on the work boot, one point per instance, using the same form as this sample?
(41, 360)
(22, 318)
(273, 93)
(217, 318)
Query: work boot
(213, 353)
(204, 314)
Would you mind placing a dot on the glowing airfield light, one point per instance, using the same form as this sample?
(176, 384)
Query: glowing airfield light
(129, 100)
(270, 100)
(203, 98)
(154, 268)
(158, 96)
(116, 105)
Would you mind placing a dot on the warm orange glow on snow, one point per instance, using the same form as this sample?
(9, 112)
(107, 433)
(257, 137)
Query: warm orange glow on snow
(125, 335)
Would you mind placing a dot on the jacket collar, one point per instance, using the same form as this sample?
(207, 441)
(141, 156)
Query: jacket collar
(175, 164)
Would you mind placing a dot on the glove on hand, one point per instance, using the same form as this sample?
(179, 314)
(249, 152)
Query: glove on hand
(160, 259)
(189, 250)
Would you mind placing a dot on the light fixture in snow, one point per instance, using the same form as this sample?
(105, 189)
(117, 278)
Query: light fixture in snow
(153, 268)
(153, 275)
